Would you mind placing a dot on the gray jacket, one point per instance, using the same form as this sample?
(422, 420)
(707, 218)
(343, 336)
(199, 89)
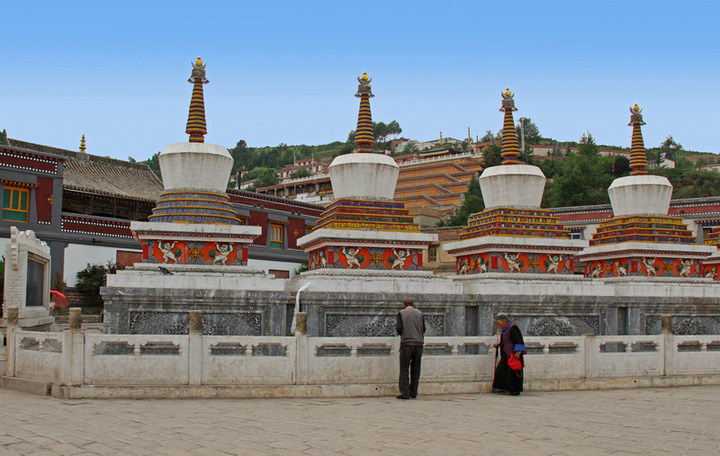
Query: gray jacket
(410, 327)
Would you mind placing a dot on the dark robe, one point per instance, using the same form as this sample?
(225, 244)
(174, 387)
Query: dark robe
(507, 380)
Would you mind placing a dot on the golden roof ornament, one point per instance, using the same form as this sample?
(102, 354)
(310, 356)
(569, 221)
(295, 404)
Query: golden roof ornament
(364, 88)
(82, 145)
(636, 115)
(508, 101)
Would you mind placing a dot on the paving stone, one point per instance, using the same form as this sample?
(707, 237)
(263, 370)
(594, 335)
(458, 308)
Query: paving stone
(620, 422)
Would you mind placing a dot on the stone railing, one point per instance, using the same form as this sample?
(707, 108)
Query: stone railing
(78, 364)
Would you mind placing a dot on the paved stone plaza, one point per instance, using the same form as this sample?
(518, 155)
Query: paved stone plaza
(620, 422)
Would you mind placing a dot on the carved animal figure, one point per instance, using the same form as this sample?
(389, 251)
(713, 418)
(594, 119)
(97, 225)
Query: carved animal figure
(167, 249)
(650, 266)
(483, 267)
(400, 258)
(711, 273)
(555, 261)
(511, 259)
(464, 266)
(686, 268)
(350, 255)
(622, 272)
(597, 271)
(222, 252)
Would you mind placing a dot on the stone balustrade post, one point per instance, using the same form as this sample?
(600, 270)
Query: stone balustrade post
(301, 349)
(75, 319)
(591, 356)
(74, 350)
(668, 346)
(195, 348)
(13, 315)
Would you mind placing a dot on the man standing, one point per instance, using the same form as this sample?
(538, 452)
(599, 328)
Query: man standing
(410, 327)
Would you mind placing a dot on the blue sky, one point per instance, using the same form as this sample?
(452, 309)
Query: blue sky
(285, 72)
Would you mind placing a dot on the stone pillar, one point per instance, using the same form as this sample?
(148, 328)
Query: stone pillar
(668, 345)
(195, 348)
(196, 325)
(301, 349)
(313, 319)
(12, 314)
(590, 355)
(301, 325)
(666, 323)
(75, 319)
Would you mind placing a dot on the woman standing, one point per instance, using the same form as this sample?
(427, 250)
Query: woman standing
(508, 380)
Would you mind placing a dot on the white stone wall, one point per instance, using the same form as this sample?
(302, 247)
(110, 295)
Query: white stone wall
(331, 362)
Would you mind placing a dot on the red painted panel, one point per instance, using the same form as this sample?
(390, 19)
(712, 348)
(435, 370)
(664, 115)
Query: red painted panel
(43, 199)
(296, 229)
(260, 219)
(29, 162)
(78, 225)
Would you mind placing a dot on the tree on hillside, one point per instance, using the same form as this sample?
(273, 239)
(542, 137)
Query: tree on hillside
(266, 178)
(531, 131)
(410, 148)
(491, 156)
(488, 137)
(154, 164)
(302, 172)
(241, 156)
(383, 131)
(584, 177)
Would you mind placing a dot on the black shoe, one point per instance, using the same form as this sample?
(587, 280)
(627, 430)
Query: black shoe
(402, 397)
(413, 397)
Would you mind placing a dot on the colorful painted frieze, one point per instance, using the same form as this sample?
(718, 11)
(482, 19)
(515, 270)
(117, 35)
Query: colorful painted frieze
(363, 257)
(169, 251)
(515, 262)
(644, 267)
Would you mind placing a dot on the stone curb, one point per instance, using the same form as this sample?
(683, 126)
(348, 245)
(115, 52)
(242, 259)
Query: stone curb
(329, 391)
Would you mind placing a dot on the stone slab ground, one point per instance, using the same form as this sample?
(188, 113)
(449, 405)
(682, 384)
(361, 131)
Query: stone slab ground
(661, 421)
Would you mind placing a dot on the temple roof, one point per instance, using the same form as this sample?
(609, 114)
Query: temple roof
(102, 175)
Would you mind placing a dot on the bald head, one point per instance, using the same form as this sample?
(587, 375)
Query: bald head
(408, 302)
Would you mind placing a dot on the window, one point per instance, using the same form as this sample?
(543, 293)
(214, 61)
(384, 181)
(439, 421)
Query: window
(432, 253)
(15, 204)
(276, 236)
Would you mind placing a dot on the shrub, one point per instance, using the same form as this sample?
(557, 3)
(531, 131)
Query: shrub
(94, 276)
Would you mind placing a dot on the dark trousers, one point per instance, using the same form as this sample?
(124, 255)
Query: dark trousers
(410, 357)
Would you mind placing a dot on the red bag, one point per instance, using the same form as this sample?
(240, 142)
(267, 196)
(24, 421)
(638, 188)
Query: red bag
(514, 363)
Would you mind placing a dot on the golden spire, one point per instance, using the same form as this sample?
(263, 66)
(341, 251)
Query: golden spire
(196, 126)
(364, 135)
(638, 157)
(82, 145)
(510, 149)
